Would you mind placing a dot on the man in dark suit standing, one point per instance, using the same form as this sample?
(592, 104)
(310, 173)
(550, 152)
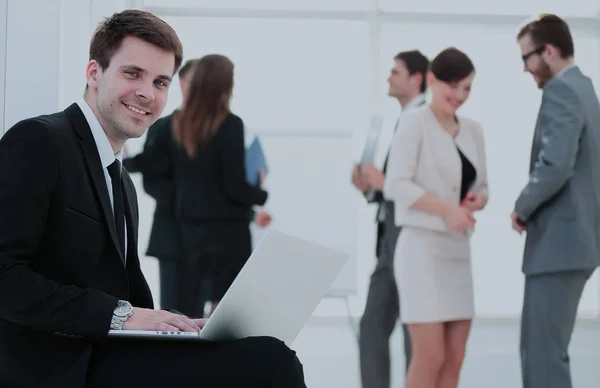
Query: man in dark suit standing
(69, 267)
(407, 85)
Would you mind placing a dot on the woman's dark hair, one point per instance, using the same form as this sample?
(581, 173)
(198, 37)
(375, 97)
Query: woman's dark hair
(207, 103)
(451, 65)
(187, 66)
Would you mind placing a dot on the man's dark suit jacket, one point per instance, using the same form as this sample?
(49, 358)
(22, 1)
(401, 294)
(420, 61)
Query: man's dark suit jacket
(61, 272)
(164, 242)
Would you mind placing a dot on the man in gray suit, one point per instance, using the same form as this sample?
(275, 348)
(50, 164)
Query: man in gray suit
(560, 206)
(407, 85)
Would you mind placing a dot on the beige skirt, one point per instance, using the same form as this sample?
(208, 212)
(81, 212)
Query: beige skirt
(434, 276)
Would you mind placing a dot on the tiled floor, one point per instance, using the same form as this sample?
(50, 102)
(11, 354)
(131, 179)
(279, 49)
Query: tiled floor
(329, 353)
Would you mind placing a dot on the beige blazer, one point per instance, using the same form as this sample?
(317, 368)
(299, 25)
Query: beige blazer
(424, 158)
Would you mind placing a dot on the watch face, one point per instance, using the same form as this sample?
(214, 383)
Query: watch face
(123, 308)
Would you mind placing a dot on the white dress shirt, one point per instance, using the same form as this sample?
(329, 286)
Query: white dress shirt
(420, 98)
(107, 155)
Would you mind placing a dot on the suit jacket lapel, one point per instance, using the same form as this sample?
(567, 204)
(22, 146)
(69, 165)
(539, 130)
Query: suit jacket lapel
(141, 295)
(534, 144)
(387, 156)
(466, 144)
(130, 218)
(92, 158)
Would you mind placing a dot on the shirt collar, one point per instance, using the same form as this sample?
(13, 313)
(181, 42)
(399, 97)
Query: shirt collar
(417, 100)
(107, 155)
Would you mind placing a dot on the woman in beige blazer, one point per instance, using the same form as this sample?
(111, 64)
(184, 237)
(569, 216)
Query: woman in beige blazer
(437, 178)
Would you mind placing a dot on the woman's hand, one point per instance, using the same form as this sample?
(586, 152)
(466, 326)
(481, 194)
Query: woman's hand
(459, 218)
(262, 218)
(474, 201)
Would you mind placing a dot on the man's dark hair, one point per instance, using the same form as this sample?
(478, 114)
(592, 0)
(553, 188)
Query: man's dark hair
(187, 66)
(549, 29)
(416, 63)
(451, 65)
(140, 24)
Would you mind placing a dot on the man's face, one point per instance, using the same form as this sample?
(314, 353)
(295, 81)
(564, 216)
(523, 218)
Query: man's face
(534, 61)
(399, 80)
(132, 91)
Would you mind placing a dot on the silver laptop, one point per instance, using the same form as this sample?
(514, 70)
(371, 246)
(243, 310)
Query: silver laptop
(274, 294)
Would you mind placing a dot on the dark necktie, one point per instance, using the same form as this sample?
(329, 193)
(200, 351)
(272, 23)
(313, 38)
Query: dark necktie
(388, 155)
(119, 209)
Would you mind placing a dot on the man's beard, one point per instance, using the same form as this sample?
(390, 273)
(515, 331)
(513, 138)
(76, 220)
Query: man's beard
(543, 74)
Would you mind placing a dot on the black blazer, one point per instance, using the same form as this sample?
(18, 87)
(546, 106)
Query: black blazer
(164, 242)
(213, 186)
(61, 272)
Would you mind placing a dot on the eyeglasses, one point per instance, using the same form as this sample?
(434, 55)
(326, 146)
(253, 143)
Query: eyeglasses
(537, 50)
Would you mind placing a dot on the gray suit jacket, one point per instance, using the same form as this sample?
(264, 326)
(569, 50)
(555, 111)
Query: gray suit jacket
(561, 203)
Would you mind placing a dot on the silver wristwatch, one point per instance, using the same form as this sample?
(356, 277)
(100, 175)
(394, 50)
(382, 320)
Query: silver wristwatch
(122, 312)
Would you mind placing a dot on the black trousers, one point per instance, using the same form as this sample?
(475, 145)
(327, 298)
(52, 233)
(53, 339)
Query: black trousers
(255, 362)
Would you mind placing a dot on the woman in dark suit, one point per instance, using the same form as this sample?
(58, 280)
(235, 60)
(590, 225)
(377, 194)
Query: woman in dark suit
(213, 198)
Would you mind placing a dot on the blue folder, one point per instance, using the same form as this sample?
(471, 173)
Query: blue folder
(255, 162)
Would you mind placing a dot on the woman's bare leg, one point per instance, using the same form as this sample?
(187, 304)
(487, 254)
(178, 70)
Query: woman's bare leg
(428, 352)
(457, 333)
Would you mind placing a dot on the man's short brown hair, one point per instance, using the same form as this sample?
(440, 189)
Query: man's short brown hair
(549, 29)
(140, 24)
(416, 63)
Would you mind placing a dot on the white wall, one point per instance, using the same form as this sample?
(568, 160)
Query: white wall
(32, 59)
(582, 8)
(43, 53)
(313, 72)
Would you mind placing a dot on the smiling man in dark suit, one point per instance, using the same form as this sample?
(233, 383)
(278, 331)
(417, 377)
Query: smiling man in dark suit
(69, 266)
